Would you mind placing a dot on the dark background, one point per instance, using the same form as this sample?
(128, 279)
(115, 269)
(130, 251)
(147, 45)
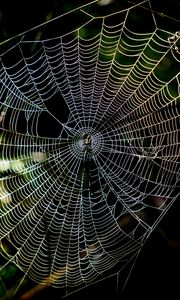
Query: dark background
(156, 274)
(18, 16)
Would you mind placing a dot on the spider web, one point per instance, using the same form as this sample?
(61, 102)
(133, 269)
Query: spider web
(89, 145)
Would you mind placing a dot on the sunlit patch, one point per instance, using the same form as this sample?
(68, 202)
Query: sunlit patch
(4, 165)
(17, 165)
(5, 196)
(104, 2)
(2, 115)
(38, 156)
(46, 282)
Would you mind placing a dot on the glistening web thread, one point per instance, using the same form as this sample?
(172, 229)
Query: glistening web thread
(89, 146)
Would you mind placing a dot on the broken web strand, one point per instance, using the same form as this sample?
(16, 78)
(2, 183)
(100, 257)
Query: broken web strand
(86, 140)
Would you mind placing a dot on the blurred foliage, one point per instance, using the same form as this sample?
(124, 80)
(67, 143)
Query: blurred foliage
(16, 17)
